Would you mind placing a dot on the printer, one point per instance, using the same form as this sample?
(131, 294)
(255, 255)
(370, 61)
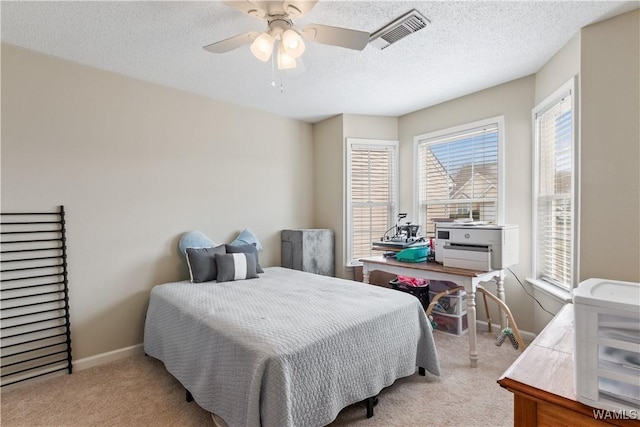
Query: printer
(474, 246)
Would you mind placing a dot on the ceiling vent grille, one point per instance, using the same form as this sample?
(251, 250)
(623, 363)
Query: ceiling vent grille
(398, 29)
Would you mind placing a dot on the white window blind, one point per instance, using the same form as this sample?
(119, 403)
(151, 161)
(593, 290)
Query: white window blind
(371, 194)
(554, 195)
(458, 175)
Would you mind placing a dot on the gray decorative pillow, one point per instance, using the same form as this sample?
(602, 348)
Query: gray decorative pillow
(238, 266)
(247, 249)
(202, 263)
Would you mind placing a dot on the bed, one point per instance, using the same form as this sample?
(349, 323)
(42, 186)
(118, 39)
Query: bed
(288, 348)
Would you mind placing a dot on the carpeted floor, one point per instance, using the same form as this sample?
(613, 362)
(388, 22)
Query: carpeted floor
(138, 391)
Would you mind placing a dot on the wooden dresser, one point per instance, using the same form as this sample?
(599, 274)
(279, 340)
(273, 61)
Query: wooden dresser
(542, 382)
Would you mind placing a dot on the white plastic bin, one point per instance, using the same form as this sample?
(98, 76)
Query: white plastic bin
(607, 344)
(455, 304)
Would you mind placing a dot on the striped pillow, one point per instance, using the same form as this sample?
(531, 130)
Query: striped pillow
(238, 266)
(248, 249)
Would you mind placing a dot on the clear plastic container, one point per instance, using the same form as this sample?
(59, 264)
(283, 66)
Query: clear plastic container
(607, 344)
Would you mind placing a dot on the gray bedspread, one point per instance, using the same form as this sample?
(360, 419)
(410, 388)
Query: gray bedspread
(289, 348)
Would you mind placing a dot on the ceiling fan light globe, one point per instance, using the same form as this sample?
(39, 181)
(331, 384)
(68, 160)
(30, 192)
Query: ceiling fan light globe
(293, 43)
(262, 47)
(285, 61)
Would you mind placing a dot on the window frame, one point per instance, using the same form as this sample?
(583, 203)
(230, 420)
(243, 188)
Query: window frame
(418, 140)
(364, 142)
(552, 288)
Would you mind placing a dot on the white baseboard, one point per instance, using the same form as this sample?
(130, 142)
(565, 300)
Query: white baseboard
(81, 364)
(110, 356)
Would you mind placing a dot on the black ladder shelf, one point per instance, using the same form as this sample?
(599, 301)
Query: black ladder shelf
(35, 331)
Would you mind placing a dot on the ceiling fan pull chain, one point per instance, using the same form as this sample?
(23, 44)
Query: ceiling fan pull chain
(273, 71)
(281, 75)
(273, 75)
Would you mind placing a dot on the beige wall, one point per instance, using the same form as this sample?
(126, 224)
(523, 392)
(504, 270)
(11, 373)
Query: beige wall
(136, 165)
(374, 127)
(610, 163)
(329, 138)
(328, 176)
(562, 66)
(514, 101)
(605, 58)
(368, 127)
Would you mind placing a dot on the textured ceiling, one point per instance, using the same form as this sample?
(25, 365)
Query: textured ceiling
(468, 46)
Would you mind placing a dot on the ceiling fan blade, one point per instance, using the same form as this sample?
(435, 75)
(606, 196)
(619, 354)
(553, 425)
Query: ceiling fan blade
(298, 8)
(335, 36)
(248, 7)
(231, 43)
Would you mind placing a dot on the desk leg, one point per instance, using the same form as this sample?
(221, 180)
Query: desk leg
(471, 318)
(365, 273)
(500, 291)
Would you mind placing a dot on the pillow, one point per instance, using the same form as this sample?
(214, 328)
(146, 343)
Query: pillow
(202, 263)
(246, 237)
(194, 239)
(247, 249)
(238, 266)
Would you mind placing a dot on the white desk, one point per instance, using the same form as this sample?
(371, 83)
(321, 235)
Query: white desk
(433, 271)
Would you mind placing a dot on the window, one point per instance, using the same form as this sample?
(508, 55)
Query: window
(554, 211)
(459, 174)
(372, 194)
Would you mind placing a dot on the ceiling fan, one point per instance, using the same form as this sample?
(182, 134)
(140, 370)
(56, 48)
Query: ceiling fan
(282, 34)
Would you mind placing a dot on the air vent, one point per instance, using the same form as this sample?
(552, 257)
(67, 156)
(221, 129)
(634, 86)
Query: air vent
(407, 24)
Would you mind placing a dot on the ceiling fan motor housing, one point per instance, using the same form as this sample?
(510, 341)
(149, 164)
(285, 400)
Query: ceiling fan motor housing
(290, 44)
(278, 25)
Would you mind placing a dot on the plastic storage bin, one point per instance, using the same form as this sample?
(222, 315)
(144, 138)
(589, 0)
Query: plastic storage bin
(450, 324)
(451, 313)
(450, 304)
(607, 344)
